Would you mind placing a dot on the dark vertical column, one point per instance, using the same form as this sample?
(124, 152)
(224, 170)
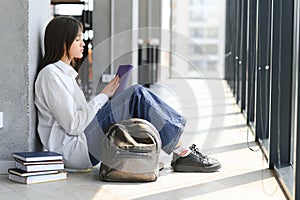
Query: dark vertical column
(263, 71)
(156, 61)
(243, 51)
(251, 59)
(140, 55)
(149, 65)
(227, 42)
(231, 41)
(281, 77)
(237, 49)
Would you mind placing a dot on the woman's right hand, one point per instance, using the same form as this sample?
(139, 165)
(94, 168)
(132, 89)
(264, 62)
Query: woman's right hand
(111, 87)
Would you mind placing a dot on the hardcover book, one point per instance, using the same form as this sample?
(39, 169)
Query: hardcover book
(32, 167)
(20, 172)
(37, 156)
(38, 178)
(46, 162)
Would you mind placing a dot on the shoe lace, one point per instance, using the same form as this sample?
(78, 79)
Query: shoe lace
(196, 151)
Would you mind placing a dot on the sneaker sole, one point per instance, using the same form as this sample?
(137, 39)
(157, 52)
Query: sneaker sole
(184, 168)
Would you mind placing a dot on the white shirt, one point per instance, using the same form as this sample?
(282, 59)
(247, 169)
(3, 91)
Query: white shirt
(64, 113)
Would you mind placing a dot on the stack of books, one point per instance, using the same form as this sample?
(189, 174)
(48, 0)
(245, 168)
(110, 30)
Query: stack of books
(37, 167)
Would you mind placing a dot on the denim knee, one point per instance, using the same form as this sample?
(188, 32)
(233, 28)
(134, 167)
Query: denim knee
(137, 89)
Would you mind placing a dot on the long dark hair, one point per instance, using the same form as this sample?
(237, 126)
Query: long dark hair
(59, 35)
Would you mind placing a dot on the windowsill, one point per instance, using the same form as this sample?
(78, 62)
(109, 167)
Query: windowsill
(285, 175)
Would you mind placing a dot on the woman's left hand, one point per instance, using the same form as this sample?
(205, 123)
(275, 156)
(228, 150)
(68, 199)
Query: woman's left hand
(111, 87)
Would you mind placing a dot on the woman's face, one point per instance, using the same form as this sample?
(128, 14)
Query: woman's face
(76, 49)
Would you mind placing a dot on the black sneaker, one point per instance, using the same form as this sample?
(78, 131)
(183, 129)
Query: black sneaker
(195, 162)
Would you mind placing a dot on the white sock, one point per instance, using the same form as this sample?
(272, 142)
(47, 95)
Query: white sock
(182, 151)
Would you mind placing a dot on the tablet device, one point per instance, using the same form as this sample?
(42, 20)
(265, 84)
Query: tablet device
(124, 73)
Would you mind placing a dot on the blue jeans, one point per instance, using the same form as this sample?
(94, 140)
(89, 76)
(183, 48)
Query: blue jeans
(135, 102)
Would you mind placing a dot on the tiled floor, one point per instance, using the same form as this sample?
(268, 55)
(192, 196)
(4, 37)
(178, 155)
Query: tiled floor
(214, 123)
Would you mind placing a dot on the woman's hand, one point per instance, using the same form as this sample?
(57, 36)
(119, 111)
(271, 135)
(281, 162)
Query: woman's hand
(111, 87)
